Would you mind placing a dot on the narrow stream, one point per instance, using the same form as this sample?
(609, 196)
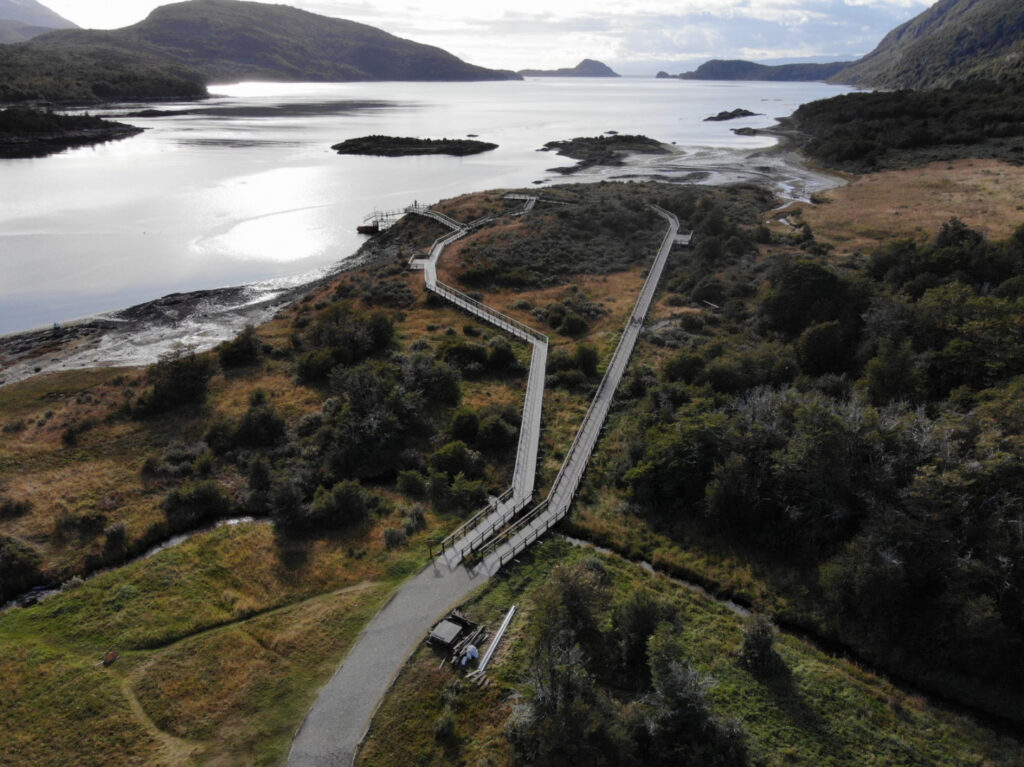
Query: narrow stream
(170, 543)
(833, 648)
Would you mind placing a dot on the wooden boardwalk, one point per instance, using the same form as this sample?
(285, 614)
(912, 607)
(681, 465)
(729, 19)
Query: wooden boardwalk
(341, 715)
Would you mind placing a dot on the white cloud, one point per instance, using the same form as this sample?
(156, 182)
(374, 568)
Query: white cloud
(539, 33)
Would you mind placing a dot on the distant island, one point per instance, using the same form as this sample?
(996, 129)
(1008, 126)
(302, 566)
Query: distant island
(180, 48)
(31, 133)
(601, 150)
(734, 114)
(586, 68)
(737, 69)
(399, 146)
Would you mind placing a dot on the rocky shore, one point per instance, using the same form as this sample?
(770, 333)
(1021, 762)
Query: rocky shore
(139, 335)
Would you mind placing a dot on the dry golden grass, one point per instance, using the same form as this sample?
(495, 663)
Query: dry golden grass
(222, 691)
(212, 631)
(468, 207)
(987, 195)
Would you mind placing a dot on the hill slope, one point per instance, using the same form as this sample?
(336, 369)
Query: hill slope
(32, 14)
(185, 45)
(953, 41)
(17, 32)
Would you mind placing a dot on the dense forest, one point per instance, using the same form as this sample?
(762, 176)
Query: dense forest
(863, 132)
(857, 426)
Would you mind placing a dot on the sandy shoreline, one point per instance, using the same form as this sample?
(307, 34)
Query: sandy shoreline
(199, 320)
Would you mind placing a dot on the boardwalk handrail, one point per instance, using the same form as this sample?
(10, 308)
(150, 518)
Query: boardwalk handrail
(492, 516)
(476, 307)
(426, 210)
(490, 508)
(563, 489)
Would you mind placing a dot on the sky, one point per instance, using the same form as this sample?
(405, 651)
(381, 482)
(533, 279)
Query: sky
(634, 37)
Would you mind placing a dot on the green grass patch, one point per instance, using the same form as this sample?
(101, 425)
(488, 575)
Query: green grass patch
(818, 710)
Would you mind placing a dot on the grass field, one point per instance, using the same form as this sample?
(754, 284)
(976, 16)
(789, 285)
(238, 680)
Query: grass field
(821, 711)
(223, 640)
(987, 195)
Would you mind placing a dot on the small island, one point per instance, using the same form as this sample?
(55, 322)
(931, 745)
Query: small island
(723, 116)
(602, 150)
(586, 68)
(28, 132)
(399, 146)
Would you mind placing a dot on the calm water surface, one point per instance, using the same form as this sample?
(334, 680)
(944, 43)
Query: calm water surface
(245, 188)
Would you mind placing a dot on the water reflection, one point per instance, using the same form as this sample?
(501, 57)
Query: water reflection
(244, 187)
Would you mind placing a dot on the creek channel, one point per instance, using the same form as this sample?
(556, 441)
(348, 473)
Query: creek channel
(829, 646)
(39, 594)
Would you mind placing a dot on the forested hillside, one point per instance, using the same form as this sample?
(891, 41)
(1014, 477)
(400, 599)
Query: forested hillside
(182, 47)
(855, 429)
(864, 132)
(953, 41)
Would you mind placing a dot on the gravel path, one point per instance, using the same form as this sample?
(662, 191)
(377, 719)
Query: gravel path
(336, 724)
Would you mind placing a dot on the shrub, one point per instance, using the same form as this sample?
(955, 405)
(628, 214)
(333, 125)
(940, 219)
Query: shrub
(261, 426)
(414, 520)
(220, 435)
(11, 509)
(465, 425)
(444, 727)
(191, 506)
(500, 357)
(412, 483)
(573, 325)
(456, 458)
(19, 567)
(758, 651)
(495, 433)
(395, 538)
(244, 349)
(467, 494)
(177, 381)
(586, 360)
(344, 505)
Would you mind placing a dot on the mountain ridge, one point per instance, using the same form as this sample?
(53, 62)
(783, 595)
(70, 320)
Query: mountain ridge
(33, 14)
(181, 48)
(951, 42)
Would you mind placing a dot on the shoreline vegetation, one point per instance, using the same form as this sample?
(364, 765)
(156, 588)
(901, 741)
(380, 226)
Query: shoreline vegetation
(404, 146)
(607, 150)
(34, 133)
(772, 357)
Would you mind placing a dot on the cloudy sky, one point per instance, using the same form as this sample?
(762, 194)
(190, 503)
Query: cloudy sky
(632, 36)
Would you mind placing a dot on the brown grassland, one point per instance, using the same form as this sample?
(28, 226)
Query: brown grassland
(987, 195)
(225, 639)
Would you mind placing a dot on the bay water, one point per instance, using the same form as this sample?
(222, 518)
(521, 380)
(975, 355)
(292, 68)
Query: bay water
(244, 187)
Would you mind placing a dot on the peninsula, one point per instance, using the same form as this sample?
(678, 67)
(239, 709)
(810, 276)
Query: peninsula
(601, 150)
(737, 69)
(32, 133)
